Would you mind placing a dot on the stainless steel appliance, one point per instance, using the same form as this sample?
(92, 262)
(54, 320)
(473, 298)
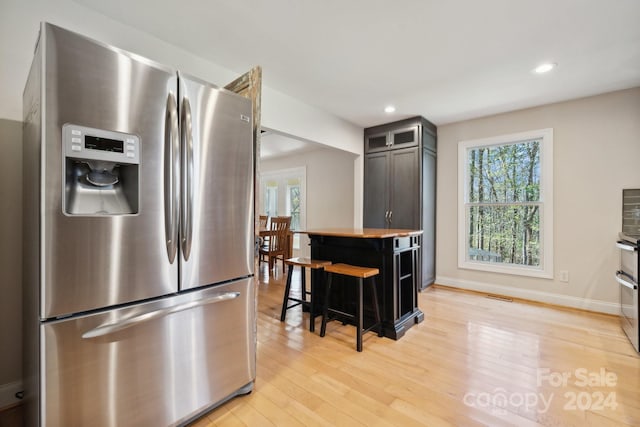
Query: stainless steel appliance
(627, 275)
(140, 308)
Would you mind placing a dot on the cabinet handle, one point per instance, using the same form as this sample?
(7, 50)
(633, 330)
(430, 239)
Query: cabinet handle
(386, 216)
(620, 279)
(390, 215)
(626, 247)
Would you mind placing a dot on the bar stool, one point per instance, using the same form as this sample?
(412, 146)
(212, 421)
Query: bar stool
(303, 263)
(360, 273)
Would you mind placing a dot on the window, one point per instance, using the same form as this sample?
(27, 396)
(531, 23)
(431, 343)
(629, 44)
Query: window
(293, 202)
(505, 214)
(271, 198)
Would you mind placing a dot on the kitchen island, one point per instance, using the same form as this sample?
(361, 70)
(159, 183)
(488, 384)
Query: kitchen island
(395, 252)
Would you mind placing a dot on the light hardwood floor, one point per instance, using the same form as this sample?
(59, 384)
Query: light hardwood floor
(473, 361)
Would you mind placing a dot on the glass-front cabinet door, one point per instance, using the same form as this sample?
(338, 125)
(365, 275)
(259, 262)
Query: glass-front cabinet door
(397, 138)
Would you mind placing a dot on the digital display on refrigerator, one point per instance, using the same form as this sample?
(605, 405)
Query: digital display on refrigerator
(104, 144)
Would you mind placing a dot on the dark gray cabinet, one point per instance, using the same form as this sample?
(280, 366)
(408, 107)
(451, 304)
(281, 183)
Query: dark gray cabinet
(400, 183)
(386, 139)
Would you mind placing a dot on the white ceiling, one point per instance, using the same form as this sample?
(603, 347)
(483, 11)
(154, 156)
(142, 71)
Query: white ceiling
(447, 60)
(274, 145)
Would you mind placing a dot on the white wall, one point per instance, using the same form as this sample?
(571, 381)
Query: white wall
(596, 154)
(330, 187)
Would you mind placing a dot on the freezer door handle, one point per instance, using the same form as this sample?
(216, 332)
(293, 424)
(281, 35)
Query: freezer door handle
(110, 328)
(620, 279)
(171, 175)
(186, 136)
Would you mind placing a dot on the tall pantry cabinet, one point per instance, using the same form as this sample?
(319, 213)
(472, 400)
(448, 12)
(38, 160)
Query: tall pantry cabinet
(400, 182)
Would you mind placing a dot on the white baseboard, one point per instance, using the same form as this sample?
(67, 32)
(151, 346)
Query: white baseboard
(8, 393)
(545, 297)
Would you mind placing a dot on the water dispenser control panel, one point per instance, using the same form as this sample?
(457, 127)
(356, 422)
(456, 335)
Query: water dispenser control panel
(97, 144)
(101, 172)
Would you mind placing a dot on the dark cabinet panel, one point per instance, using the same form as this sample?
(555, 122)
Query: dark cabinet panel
(429, 140)
(404, 203)
(428, 216)
(376, 190)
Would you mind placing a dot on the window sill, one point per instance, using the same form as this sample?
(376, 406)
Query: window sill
(504, 269)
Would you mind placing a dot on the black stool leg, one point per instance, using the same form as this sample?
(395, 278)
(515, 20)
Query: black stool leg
(359, 316)
(285, 301)
(312, 308)
(376, 307)
(325, 310)
(303, 291)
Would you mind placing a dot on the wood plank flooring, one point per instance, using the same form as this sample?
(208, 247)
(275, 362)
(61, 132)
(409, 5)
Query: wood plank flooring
(474, 361)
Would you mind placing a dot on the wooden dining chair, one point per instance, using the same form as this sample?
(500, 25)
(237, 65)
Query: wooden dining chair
(277, 246)
(263, 223)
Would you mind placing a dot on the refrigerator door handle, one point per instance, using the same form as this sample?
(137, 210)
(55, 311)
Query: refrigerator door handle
(110, 328)
(186, 135)
(171, 175)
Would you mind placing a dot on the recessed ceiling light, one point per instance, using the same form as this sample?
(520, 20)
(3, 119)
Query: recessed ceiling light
(389, 109)
(545, 68)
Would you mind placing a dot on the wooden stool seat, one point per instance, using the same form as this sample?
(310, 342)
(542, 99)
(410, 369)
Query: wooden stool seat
(360, 273)
(352, 270)
(302, 262)
(307, 262)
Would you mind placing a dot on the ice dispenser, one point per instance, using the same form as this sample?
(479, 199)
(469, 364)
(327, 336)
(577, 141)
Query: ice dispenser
(101, 171)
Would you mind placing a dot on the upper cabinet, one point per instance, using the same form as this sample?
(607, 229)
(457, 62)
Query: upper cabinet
(392, 139)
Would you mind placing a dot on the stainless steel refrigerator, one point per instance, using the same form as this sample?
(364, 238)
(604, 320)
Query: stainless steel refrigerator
(139, 302)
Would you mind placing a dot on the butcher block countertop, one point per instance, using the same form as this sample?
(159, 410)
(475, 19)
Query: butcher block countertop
(363, 233)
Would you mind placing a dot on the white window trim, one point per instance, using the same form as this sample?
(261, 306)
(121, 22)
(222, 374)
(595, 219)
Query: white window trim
(545, 270)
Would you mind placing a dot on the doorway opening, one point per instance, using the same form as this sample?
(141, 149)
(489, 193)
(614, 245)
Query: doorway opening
(283, 193)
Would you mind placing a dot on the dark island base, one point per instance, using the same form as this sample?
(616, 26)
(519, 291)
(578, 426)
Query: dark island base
(397, 259)
(394, 330)
(397, 329)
